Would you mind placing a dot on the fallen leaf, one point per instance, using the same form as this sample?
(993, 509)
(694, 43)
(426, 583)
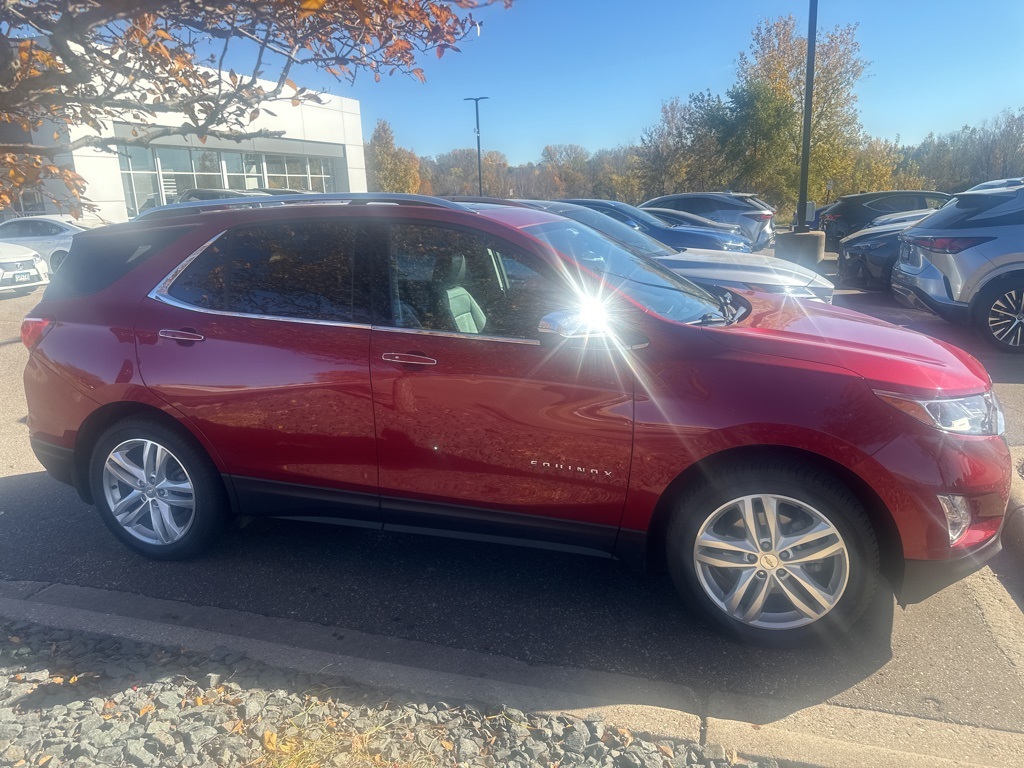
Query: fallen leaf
(109, 705)
(447, 745)
(45, 759)
(146, 710)
(199, 701)
(74, 679)
(19, 678)
(270, 741)
(57, 680)
(666, 751)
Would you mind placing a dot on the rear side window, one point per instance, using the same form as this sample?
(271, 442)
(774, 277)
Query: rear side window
(971, 211)
(304, 270)
(99, 259)
(688, 204)
(895, 203)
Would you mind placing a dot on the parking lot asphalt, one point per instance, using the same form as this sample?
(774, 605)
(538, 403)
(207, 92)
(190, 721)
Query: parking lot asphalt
(953, 658)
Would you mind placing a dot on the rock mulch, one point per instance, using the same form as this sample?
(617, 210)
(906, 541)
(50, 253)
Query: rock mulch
(84, 701)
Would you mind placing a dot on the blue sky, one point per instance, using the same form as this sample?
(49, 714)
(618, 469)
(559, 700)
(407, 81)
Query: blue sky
(595, 73)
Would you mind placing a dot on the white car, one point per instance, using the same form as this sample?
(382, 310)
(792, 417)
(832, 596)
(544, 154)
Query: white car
(22, 270)
(49, 236)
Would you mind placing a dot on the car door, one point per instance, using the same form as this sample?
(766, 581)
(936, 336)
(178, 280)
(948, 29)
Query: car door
(480, 428)
(262, 342)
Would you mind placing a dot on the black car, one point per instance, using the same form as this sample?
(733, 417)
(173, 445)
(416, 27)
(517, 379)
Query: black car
(673, 236)
(866, 258)
(853, 212)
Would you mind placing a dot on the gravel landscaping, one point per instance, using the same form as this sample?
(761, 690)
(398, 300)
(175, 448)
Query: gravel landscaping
(83, 700)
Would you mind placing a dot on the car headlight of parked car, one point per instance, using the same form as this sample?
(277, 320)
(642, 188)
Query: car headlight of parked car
(970, 415)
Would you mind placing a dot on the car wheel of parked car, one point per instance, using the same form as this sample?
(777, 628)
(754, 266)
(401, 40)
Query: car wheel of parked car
(774, 553)
(999, 315)
(56, 259)
(156, 490)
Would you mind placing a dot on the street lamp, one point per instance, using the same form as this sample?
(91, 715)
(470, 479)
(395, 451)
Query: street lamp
(479, 162)
(805, 155)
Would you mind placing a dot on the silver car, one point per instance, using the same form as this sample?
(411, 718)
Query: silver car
(903, 217)
(22, 270)
(752, 214)
(965, 263)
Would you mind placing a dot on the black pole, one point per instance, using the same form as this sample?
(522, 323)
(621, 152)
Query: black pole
(805, 157)
(479, 162)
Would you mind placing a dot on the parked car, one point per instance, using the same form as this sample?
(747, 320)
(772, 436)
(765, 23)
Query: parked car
(751, 213)
(712, 270)
(48, 236)
(904, 217)
(280, 191)
(853, 212)
(682, 218)
(965, 263)
(22, 270)
(1016, 181)
(509, 375)
(866, 258)
(675, 237)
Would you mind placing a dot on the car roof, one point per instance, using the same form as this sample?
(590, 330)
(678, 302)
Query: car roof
(872, 195)
(51, 217)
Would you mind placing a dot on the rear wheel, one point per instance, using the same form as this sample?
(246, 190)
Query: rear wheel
(157, 490)
(999, 315)
(774, 553)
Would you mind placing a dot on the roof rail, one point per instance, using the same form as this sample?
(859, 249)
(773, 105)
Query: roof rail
(485, 200)
(273, 201)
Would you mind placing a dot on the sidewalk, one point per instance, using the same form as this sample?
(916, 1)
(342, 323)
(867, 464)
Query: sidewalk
(113, 684)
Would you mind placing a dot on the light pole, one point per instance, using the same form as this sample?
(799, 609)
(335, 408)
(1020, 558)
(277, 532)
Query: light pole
(479, 162)
(805, 157)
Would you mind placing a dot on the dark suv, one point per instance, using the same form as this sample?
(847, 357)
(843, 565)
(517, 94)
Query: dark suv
(752, 214)
(509, 375)
(854, 212)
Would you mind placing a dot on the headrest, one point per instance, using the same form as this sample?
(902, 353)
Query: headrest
(450, 270)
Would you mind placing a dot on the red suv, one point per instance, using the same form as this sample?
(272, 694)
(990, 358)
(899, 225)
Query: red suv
(509, 375)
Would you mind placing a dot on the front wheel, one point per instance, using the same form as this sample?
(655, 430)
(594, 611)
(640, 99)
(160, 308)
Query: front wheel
(999, 315)
(774, 553)
(156, 490)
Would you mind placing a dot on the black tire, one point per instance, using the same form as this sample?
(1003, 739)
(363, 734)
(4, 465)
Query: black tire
(827, 496)
(210, 508)
(56, 259)
(991, 318)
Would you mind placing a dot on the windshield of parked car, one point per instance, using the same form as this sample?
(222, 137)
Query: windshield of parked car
(643, 280)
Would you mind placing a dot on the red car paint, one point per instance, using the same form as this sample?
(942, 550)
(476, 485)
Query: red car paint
(507, 428)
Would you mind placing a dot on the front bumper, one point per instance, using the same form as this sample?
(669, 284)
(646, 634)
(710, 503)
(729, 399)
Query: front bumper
(927, 290)
(924, 578)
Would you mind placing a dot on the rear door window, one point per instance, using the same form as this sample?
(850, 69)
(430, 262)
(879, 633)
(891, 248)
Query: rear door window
(305, 270)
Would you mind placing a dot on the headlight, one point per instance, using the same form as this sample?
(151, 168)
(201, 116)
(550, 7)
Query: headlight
(37, 259)
(971, 415)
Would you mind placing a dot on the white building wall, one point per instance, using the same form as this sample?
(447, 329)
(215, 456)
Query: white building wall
(331, 129)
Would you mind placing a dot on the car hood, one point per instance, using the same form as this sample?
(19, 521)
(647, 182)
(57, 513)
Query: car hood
(886, 356)
(699, 264)
(869, 233)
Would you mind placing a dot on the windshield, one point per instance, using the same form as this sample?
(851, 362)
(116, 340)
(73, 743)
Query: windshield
(643, 280)
(613, 228)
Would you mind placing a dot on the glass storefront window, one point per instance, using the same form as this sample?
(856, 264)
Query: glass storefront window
(209, 181)
(296, 165)
(275, 165)
(174, 160)
(206, 161)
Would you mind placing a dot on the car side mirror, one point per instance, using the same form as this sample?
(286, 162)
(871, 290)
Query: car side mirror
(577, 330)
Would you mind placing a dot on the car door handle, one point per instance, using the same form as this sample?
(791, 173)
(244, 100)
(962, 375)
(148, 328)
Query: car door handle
(180, 335)
(407, 358)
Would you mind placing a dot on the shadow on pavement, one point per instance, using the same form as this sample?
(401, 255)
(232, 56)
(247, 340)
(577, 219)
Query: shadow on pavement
(534, 606)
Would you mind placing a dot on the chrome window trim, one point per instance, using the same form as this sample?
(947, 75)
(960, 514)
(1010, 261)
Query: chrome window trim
(160, 293)
(456, 335)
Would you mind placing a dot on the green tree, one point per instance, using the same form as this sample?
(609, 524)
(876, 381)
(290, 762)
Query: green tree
(390, 168)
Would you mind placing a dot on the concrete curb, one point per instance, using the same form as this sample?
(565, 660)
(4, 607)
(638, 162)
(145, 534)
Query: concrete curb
(790, 732)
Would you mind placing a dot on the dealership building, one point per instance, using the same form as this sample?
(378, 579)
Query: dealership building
(319, 149)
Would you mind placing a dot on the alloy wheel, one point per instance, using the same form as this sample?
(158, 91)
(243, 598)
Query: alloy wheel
(771, 562)
(148, 491)
(1006, 318)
